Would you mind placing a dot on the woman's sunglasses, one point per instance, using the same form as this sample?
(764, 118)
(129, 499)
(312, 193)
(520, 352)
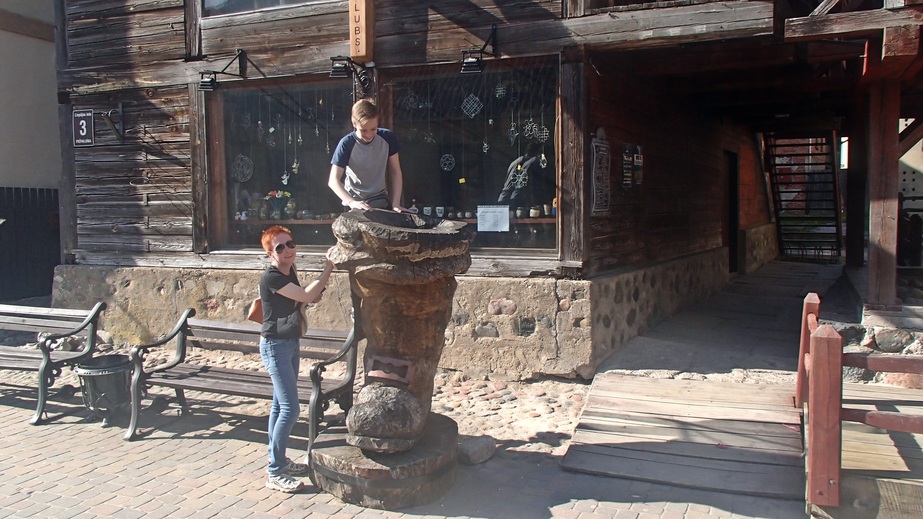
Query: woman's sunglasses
(280, 248)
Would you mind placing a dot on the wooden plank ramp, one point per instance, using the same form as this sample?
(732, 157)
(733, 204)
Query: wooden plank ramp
(718, 436)
(882, 471)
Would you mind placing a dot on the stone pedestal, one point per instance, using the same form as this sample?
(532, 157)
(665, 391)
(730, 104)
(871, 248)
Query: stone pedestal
(387, 481)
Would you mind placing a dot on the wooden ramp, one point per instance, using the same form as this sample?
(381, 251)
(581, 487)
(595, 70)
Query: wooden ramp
(882, 472)
(718, 436)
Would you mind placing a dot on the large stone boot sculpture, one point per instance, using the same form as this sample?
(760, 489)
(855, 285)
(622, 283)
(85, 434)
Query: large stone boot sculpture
(403, 267)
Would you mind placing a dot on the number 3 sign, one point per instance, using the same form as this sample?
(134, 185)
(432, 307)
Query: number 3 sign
(83, 127)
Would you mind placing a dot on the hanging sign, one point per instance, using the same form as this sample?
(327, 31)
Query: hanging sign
(361, 29)
(83, 127)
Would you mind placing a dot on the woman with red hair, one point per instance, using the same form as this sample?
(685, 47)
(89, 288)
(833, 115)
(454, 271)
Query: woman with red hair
(282, 296)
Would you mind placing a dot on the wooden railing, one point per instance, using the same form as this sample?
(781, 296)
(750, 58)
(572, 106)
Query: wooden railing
(820, 386)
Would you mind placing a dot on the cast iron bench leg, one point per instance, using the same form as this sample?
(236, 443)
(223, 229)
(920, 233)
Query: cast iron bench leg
(45, 378)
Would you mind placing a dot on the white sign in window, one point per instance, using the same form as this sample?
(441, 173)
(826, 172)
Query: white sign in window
(493, 218)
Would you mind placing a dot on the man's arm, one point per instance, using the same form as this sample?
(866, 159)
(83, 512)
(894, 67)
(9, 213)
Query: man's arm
(336, 185)
(395, 182)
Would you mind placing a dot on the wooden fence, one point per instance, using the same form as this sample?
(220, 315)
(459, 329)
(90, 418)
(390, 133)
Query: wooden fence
(820, 386)
(30, 244)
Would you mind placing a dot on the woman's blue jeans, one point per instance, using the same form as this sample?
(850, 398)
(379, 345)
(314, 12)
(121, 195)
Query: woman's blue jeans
(281, 358)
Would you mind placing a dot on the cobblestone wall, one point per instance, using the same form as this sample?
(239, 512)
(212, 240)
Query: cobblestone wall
(505, 328)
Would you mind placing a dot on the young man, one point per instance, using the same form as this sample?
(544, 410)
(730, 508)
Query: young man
(368, 158)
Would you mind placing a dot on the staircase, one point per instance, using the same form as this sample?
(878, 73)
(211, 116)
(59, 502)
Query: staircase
(803, 172)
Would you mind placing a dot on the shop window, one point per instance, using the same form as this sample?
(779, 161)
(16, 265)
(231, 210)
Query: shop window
(475, 147)
(480, 147)
(271, 159)
(217, 7)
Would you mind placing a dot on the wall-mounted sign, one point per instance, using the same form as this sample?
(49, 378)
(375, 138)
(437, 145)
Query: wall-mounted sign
(601, 192)
(638, 165)
(361, 29)
(83, 127)
(628, 165)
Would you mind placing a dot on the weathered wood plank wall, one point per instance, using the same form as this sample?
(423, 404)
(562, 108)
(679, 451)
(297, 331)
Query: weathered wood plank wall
(681, 205)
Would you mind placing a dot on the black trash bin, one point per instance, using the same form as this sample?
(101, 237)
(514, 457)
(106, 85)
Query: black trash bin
(105, 382)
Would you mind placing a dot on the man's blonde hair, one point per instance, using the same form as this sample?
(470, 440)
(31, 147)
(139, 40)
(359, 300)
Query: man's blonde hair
(364, 110)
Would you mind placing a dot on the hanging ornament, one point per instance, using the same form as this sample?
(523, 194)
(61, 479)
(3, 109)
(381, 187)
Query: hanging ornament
(296, 166)
(500, 90)
(472, 106)
(486, 146)
(259, 131)
(542, 161)
(521, 177)
(242, 168)
(542, 134)
(513, 133)
(285, 177)
(530, 129)
(447, 162)
(411, 101)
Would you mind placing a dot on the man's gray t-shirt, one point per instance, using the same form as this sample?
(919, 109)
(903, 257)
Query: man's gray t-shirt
(366, 164)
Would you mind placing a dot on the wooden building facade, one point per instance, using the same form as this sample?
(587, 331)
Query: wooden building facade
(189, 126)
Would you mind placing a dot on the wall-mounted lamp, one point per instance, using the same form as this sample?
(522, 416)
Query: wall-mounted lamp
(208, 79)
(473, 59)
(342, 67)
(117, 130)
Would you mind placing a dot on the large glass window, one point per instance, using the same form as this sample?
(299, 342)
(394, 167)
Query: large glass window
(274, 157)
(476, 143)
(216, 7)
(475, 147)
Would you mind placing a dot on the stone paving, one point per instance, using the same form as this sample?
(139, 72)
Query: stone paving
(211, 464)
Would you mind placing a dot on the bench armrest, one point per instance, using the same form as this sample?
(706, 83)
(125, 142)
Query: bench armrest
(139, 352)
(91, 321)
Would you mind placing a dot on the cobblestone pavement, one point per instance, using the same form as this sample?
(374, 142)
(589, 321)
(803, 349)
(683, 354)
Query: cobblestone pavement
(211, 463)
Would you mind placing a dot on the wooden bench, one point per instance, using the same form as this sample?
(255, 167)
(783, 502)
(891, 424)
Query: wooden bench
(326, 347)
(58, 323)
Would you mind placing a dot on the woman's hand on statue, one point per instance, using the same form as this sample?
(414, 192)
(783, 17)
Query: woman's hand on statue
(359, 204)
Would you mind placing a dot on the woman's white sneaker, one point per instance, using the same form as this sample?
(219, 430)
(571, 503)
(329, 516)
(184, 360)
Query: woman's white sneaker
(284, 483)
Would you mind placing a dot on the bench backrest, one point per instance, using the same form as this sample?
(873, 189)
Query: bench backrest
(49, 320)
(245, 338)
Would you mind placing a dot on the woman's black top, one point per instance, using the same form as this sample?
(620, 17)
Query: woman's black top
(281, 315)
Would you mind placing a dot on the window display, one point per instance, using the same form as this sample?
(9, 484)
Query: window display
(275, 153)
(475, 147)
(475, 142)
(216, 7)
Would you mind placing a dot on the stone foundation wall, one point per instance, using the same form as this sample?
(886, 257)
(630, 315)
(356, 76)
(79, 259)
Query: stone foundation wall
(505, 328)
(759, 245)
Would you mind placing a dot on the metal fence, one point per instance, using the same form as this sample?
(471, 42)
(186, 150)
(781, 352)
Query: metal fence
(30, 246)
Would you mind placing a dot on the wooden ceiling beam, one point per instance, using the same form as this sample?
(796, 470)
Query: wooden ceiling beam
(858, 23)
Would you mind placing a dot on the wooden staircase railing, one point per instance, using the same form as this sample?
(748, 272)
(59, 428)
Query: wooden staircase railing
(819, 392)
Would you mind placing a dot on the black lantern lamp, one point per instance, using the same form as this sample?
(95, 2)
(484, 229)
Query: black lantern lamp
(342, 67)
(473, 59)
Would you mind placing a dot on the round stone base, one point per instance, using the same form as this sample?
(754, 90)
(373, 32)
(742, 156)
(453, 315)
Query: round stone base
(387, 481)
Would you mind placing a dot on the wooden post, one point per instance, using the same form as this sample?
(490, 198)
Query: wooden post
(856, 185)
(884, 111)
(824, 431)
(811, 306)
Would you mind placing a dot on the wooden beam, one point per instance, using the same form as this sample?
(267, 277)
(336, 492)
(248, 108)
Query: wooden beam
(858, 23)
(25, 26)
(910, 136)
(884, 112)
(824, 7)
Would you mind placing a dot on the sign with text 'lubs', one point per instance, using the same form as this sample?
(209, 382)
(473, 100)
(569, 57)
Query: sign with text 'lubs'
(83, 127)
(361, 29)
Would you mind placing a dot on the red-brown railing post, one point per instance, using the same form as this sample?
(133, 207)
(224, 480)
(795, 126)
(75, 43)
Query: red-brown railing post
(811, 306)
(824, 430)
